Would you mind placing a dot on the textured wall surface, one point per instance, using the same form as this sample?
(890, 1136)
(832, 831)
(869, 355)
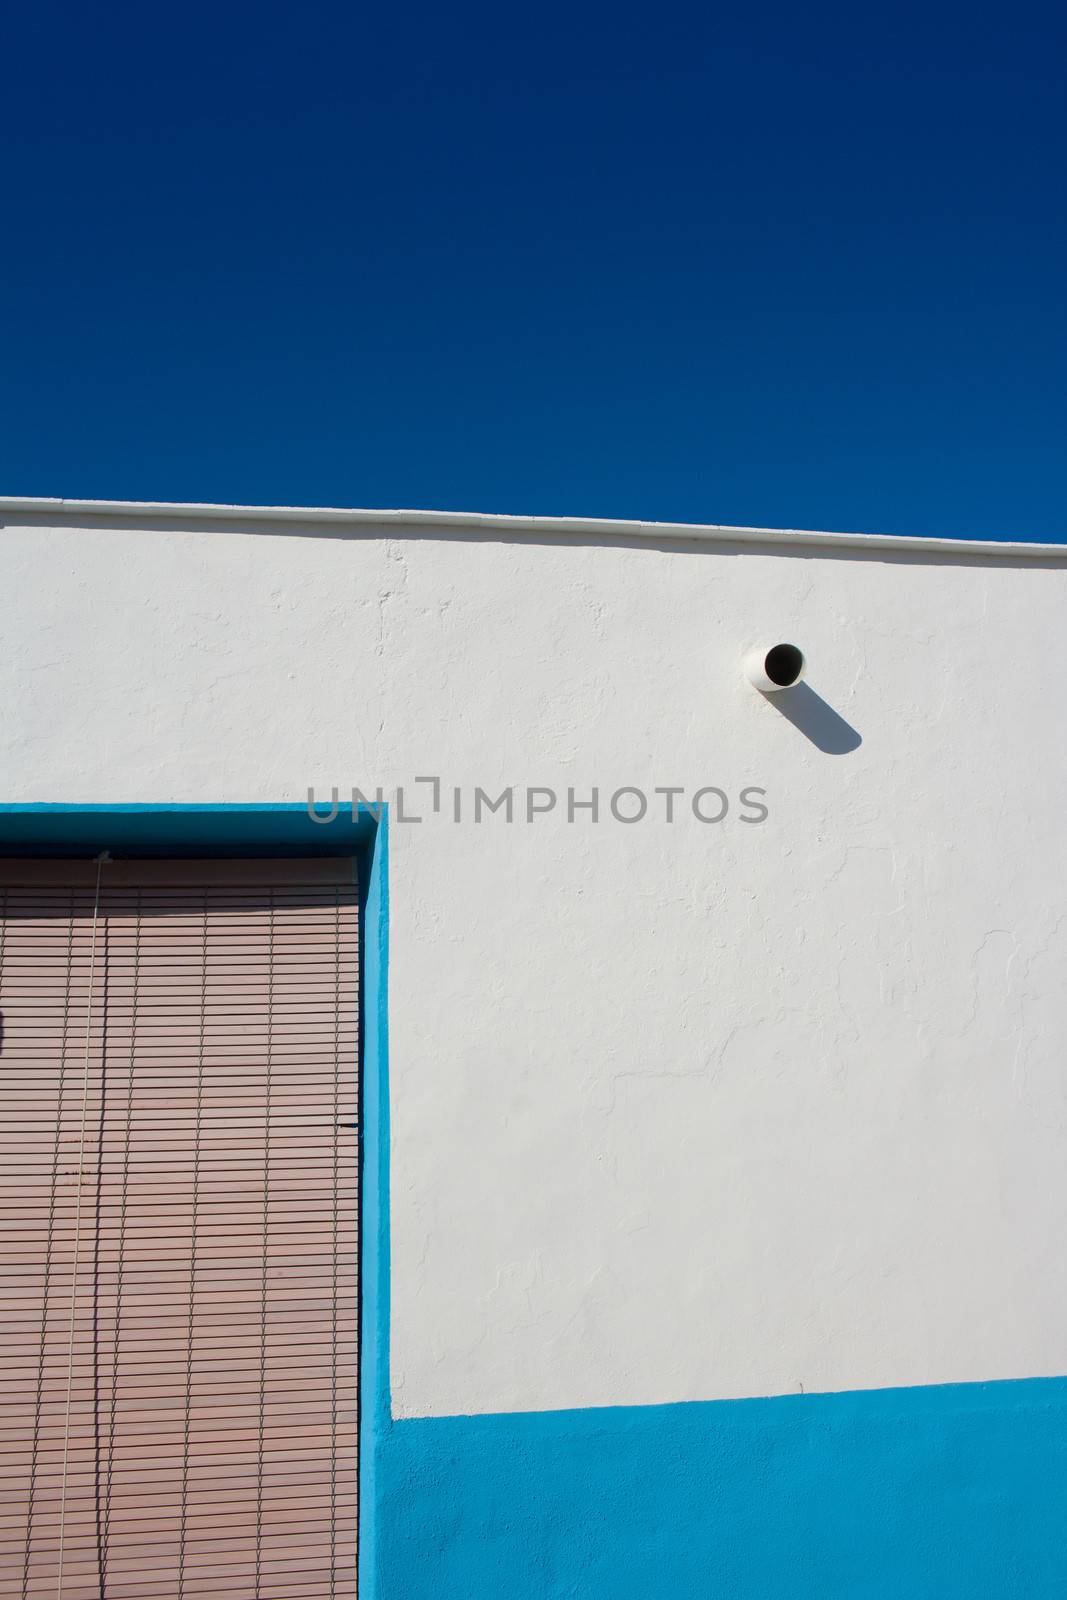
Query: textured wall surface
(680, 1112)
(930, 1493)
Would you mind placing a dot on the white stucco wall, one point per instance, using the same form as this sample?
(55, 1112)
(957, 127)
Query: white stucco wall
(678, 1111)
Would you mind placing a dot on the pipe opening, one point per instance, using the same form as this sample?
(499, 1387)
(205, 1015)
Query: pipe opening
(783, 665)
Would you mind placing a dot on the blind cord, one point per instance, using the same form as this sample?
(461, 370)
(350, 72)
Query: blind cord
(336, 1235)
(190, 1329)
(121, 1263)
(263, 1288)
(48, 1251)
(100, 860)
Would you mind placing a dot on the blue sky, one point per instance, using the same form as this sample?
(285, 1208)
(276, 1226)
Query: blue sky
(785, 266)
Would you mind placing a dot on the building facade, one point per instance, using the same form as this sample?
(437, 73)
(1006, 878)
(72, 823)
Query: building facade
(713, 1114)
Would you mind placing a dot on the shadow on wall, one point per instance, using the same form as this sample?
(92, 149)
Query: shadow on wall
(815, 719)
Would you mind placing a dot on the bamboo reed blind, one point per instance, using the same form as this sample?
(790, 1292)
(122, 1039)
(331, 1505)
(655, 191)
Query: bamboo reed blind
(178, 1191)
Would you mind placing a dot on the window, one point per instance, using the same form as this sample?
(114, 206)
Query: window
(178, 1195)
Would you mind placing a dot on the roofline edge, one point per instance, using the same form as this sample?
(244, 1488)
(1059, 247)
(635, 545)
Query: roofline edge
(501, 522)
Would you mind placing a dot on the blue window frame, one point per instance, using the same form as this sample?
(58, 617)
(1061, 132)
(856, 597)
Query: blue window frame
(76, 831)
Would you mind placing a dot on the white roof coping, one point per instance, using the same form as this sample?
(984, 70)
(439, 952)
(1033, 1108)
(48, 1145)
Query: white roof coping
(398, 523)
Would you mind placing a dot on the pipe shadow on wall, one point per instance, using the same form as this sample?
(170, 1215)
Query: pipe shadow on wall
(815, 719)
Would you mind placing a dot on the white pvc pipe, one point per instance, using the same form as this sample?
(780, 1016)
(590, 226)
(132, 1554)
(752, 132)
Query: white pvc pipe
(774, 667)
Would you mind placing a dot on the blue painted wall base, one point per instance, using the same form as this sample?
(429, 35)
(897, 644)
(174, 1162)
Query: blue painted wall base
(948, 1491)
